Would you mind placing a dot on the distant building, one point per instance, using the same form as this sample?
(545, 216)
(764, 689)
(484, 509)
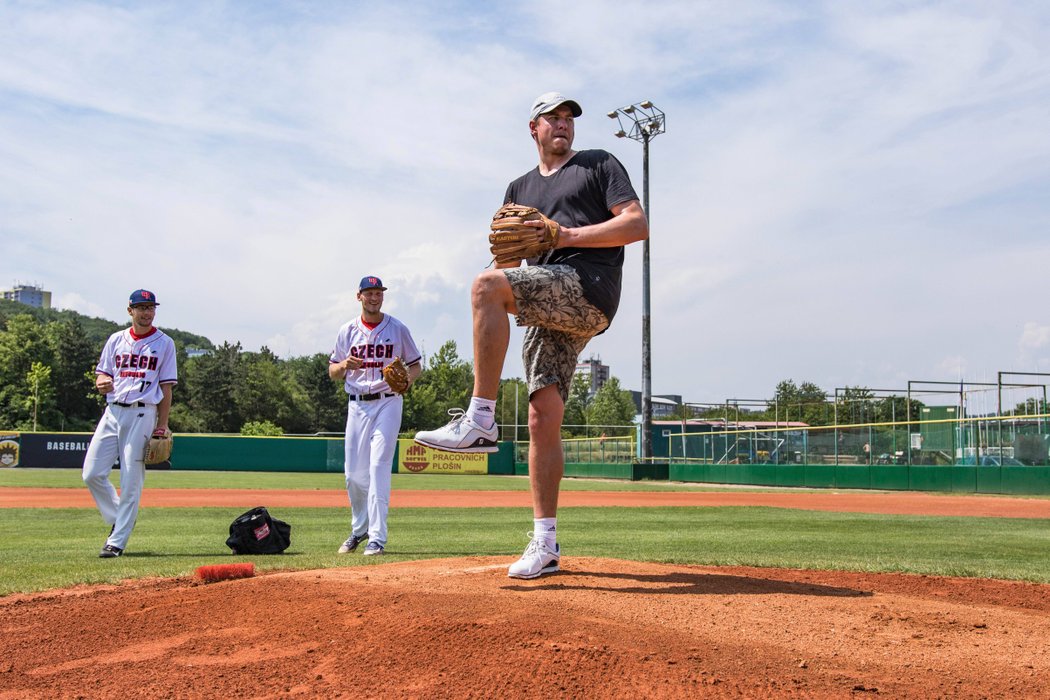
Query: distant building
(595, 372)
(197, 352)
(29, 295)
(663, 404)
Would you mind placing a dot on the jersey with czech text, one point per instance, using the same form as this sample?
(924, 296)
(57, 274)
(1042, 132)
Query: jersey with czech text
(138, 366)
(376, 347)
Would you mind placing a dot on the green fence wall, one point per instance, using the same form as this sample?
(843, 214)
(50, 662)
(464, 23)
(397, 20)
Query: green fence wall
(1019, 480)
(262, 454)
(284, 454)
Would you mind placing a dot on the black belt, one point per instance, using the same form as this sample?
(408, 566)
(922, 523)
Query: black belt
(369, 397)
(137, 404)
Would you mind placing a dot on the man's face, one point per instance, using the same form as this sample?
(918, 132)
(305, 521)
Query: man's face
(555, 130)
(371, 300)
(142, 314)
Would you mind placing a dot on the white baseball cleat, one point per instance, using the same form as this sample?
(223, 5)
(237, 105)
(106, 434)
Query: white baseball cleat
(537, 560)
(460, 435)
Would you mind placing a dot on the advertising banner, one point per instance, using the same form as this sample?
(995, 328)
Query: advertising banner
(415, 459)
(54, 449)
(47, 450)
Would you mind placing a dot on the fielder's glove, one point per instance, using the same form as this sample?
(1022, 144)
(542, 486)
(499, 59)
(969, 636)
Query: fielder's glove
(396, 376)
(158, 449)
(512, 241)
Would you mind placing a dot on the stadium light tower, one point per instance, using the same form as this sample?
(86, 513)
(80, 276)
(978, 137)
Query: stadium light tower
(643, 122)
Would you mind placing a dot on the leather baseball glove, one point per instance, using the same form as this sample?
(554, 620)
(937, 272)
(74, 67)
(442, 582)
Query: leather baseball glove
(158, 449)
(512, 241)
(396, 376)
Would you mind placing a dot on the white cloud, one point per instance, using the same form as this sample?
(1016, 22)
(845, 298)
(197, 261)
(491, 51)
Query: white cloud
(843, 195)
(75, 302)
(1035, 338)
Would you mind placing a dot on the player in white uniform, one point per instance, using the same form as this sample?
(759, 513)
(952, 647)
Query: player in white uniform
(373, 419)
(136, 372)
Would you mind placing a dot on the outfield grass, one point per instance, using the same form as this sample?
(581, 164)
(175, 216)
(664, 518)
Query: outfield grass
(315, 481)
(51, 548)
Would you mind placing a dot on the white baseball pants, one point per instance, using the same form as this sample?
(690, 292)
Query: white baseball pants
(122, 432)
(371, 437)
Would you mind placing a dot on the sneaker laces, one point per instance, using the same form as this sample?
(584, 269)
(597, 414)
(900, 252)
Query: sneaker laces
(537, 546)
(533, 548)
(458, 416)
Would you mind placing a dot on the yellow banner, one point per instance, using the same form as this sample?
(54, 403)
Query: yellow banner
(415, 459)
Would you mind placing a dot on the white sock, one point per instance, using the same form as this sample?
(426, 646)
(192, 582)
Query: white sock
(546, 529)
(482, 411)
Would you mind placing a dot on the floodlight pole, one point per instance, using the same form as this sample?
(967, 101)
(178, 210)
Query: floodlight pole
(647, 356)
(646, 122)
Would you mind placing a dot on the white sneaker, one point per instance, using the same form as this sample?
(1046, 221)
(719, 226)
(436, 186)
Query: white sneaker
(537, 560)
(460, 435)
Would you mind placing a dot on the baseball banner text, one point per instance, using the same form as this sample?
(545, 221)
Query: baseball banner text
(414, 458)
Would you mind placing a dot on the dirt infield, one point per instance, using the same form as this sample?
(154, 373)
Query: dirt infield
(601, 628)
(900, 503)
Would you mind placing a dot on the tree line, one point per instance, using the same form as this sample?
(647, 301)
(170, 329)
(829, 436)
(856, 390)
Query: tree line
(48, 356)
(47, 361)
(808, 403)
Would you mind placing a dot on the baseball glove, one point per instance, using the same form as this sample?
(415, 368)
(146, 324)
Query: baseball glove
(158, 449)
(512, 241)
(396, 376)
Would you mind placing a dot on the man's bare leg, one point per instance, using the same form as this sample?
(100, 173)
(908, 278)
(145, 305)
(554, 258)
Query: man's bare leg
(491, 299)
(546, 467)
(546, 459)
(475, 429)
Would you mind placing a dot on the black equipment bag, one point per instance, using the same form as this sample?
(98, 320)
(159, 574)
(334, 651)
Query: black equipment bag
(257, 532)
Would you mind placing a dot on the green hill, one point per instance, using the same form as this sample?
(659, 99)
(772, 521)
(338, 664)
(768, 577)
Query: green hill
(96, 329)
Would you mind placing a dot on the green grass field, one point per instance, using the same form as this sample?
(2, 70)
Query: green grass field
(52, 548)
(307, 481)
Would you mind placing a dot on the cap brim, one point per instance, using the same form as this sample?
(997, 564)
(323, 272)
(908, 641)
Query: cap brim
(551, 106)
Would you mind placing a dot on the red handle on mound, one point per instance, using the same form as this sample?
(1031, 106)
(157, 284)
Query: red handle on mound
(224, 572)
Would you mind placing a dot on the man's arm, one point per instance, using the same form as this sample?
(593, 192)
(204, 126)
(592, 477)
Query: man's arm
(337, 370)
(164, 407)
(627, 226)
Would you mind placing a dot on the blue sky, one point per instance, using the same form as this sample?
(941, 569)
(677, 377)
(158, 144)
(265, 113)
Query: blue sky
(848, 193)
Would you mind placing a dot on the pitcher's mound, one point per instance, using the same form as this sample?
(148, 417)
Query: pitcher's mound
(599, 628)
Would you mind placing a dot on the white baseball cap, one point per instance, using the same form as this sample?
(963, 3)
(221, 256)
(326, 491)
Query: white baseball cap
(552, 100)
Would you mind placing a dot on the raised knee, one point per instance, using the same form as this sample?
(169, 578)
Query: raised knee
(487, 286)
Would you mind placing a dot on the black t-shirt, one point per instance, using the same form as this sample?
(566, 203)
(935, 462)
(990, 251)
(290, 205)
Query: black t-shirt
(582, 193)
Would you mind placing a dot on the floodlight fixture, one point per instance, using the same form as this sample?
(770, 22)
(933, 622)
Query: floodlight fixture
(640, 121)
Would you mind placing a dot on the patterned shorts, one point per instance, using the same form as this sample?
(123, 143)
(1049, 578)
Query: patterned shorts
(560, 322)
